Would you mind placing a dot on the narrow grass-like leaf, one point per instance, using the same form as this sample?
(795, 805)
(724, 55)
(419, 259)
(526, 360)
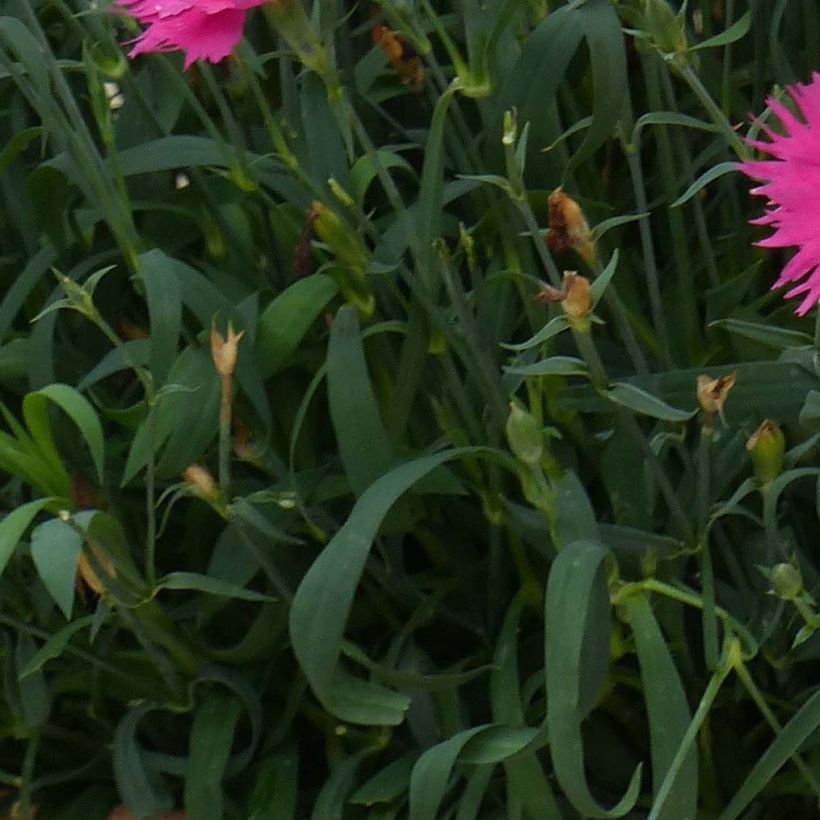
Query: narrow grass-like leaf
(431, 187)
(76, 407)
(553, 327)
(553, 366)
(669, 714)
(801, 726)
(634, 398)
(735, 32)
(778, 337)
(331, 800)
(602, 31)
(387, 784)
(576, 579)
(719, 170)
(133, 353)
(15, 524)
(212, 586)
(165, 312)
(288, 317)
(601, 283)
(142, 791)
(275, 793)
(322, 602)
(209, 749)
(431, 774)
(364, 446)
(54, 646)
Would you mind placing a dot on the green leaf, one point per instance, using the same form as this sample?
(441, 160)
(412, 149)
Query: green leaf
(141, 789)
(575, 590)
(164, 309)
(607, 53)
(778, 337)
(738, 29)
(331, 800)
(601, 283)
(275, 794)
(552, 328)
(16, 145)
(15, 524)
(208, 752)
(431, 774)
(55, 550)
(130, 354)
(285, 321)
(553, 366)
(574, 516)
(77, 408)
(719, 170)
(388, 784)
(48, 190)
(364, 170)
(323, 600)
(431, 188)
(54, 646)
(364, 446)
(669, 713)
(640, 401)
(34, 695)
(212, 586)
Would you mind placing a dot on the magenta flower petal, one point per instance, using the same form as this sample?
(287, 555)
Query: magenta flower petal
(203, 29)
(791, 184)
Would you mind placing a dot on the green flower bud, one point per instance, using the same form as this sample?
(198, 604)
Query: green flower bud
(525, 437)
(786, 581)
(665, 29)
(767, 446)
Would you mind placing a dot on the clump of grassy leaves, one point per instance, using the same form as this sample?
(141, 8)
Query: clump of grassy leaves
(431, 549)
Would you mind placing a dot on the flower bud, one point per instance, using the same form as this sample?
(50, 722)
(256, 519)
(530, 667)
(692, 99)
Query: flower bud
(87, 573)
(767, 446)
(575, 298)
(291, 22)
(351, 254)
(224, 351)
(665, 29)
(712, 393)
(525, 437)
(201, 480)
(786, 581)
(568, 227)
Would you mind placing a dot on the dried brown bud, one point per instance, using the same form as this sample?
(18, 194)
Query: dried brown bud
(574, 296)
(712, 393)
(568, 227)
(201, 480)
(89, 576)
(224, 351)
(577, 296)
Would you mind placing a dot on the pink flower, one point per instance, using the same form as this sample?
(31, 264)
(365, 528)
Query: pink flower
(203, 29)
(792, 185)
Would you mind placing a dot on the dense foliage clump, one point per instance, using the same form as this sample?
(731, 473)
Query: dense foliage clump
(397, 418)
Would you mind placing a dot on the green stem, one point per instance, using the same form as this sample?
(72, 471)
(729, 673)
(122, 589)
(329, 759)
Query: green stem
(225, 437)
(710, 636)
(718, 117)
(27, 777)
(715, 682)
(757, 696)
(633, 162)
(691, 599)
